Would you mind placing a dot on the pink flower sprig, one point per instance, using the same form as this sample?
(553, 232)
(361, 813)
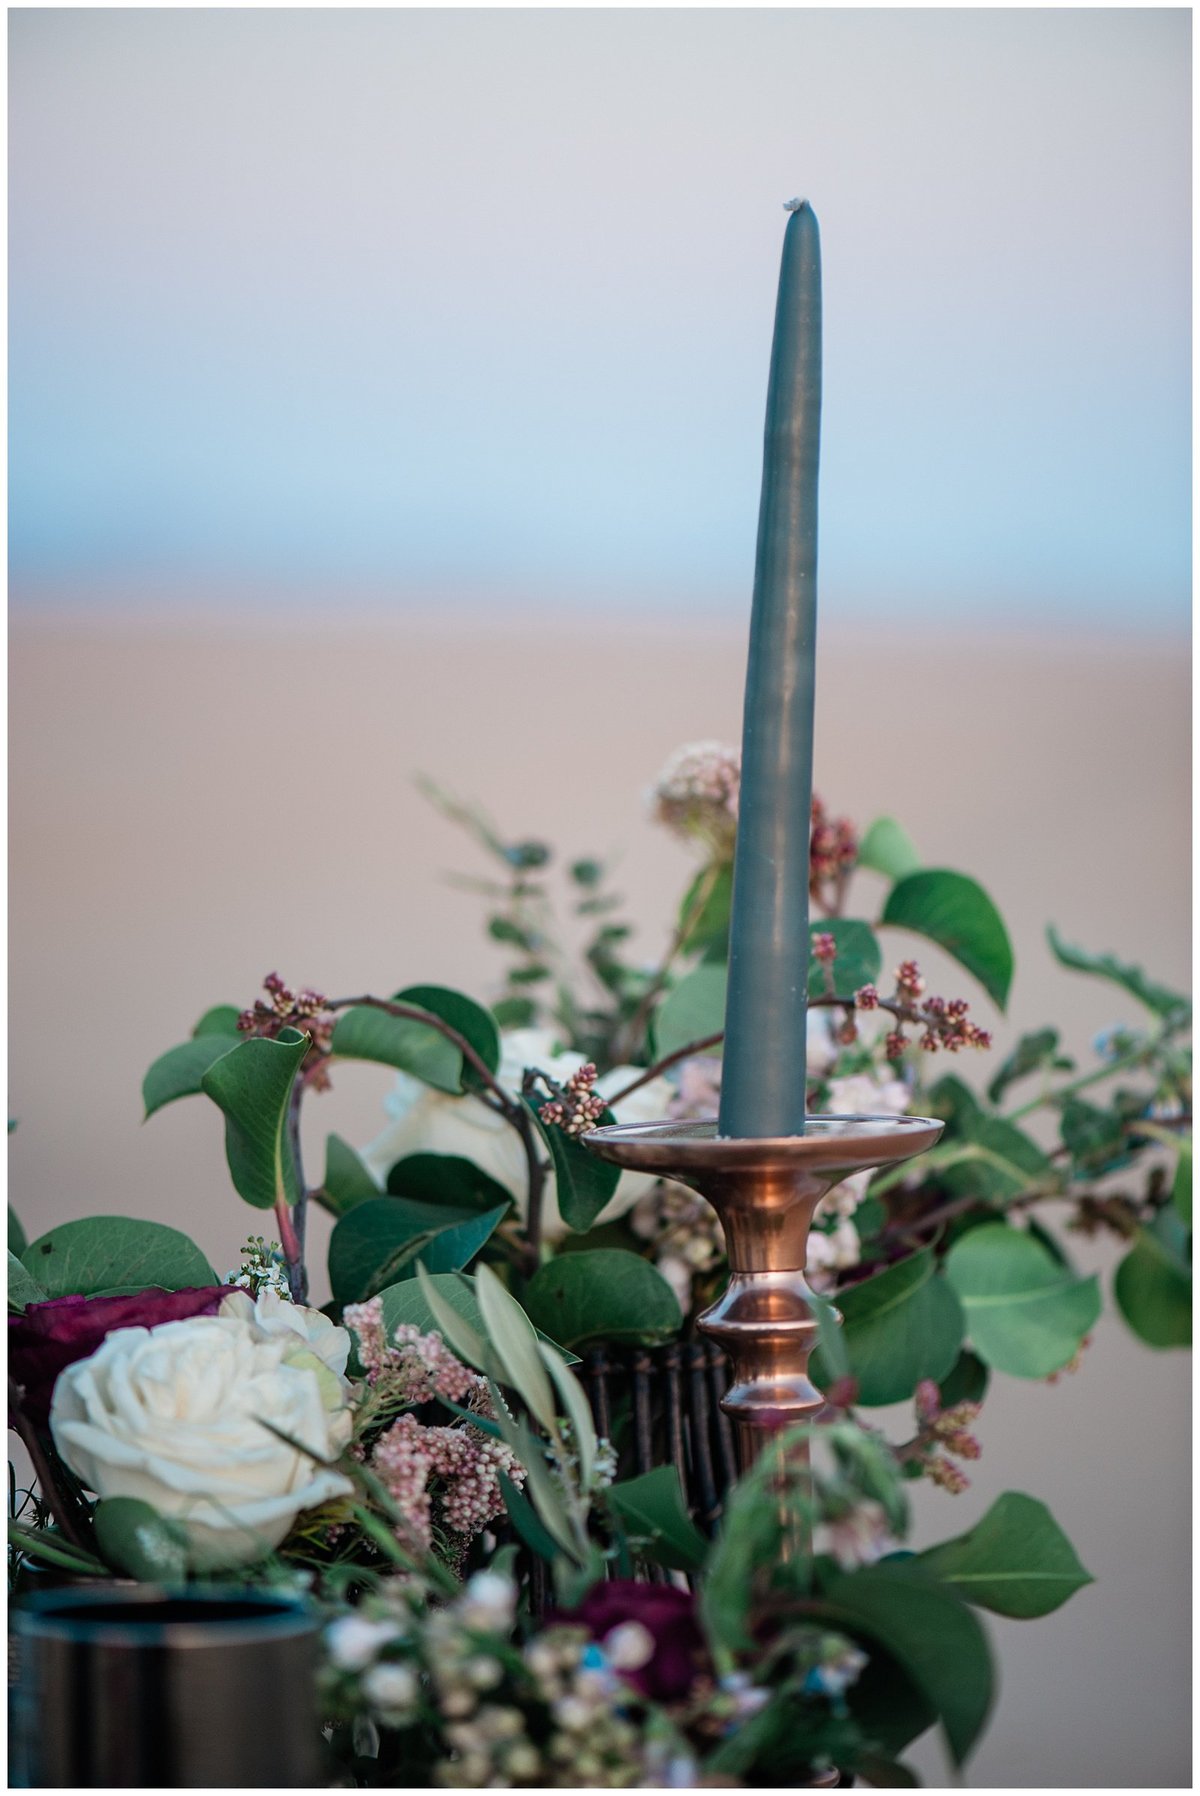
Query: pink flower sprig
(306, 1011)
(833, 855)
(943, 1022)
(577, 1106)
(941, 1432)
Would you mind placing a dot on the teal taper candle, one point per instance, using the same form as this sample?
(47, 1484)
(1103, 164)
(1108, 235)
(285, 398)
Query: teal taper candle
(766, 1013)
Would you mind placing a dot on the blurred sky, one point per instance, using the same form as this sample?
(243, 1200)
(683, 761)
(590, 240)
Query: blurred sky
(425, 305)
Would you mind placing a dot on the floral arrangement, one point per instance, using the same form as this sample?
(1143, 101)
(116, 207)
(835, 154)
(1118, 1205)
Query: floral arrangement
(511, 1600)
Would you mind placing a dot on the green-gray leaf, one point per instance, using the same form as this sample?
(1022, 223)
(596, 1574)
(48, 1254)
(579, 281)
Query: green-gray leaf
(1038, 1048)
(583, 1183)
(694, 1009)
(1153, 1284)
(376, 1240)
(652, 1511)
(23, 1288)
(603, 1294)
(957, 914)
(857, 961)
(104, 1253)
(252, 1085)
(475, 1024)
(886, 848)
(446, 1179)
(365, 1033)
(1026, 1314)
(409, 1302)
(178, 1072)
(1157, 998)
(901, 1326)
(16, 1234)
(1017, 1561)
(347, 1181)
(135, 1539)
(222, 1019)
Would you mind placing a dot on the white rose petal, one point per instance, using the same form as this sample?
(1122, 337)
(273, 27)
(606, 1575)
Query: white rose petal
(353, 1641)
(432, 1122)
(174, 1415)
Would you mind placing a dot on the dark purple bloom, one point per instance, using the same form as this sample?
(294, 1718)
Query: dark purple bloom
(53, 1335)
(669, 1617)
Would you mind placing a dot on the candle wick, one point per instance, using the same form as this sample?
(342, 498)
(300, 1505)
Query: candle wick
(794, 205)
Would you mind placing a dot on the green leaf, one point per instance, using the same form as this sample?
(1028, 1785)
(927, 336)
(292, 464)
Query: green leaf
(514, 1339)
(857, 962)
(365, 1033)
(523, 1517)
(957, 914)
(965, 1382)
(1034, 1050)
(105, 1253)
(1026, 1314)
(23, 1288)
(1153, 1284)
(603, 1294)
(996, 1161)
(1096, 1137)
(887, 849)
(652, 1510)
(135, 1539)
(584, 1184)
(574, 1406)
(1157, 998)
(253, 1086)
(1181, 1187)
(434, 1300)
(475, 1024)
(16, 1234)
(930, 1632)
(691, 1010)
(178, 1073)
(900, 1326)
(1017, 1561)
(347, 1181)
(705, 911)
(222, 1019)
(515, 1013)
(446, 1179)
(377, 1239)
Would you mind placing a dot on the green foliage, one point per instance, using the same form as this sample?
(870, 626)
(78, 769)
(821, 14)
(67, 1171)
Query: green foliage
(222, 1019)
(705, 911)
(364, 1033)
(1172, 1007)
(379, 1241)
(653, 1514)
(694, 1009)
(113, 1254)
(16, 1234)
(583, 1183)
(957, 914)
(887, 849)
(347, 1181)
(900, 1326)
(252, 1084)
(965, 1382)
(929, 1631)
(136, 1540)
(603, 1294)
(180, 1071)
(857, 962)
(1026, 1314)
(446, 1179)
(1153, 1283)
(23, 1288)
(476, 1025)
(1096, 1137)
(1033, 1052)
(514, 1340)
(1017, 1561)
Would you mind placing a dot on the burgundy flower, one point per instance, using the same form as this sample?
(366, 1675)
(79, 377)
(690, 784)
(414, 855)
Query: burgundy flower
(53, 1335)
(669, 1617)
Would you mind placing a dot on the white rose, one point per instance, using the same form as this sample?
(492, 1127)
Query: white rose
(174, 1415)
(299, 1327)
(875, 1093)
(432, 1122)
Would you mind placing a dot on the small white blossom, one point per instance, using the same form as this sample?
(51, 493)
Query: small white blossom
(353, 1641)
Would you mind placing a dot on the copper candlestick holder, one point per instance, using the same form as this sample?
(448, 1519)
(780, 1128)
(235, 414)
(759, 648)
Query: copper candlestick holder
(765, 1193)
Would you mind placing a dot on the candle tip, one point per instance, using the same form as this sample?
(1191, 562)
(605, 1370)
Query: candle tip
(794, 205)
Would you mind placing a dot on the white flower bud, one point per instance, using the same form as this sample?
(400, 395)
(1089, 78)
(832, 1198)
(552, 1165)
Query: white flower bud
(629, 1646)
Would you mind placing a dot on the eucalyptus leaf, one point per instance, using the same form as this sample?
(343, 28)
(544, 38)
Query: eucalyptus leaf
(1181, 1185)
(957, 914)
(1153, 1284)
(929, 1631)
(348, 1182)
(693, 1009)
(105, 1253)
(17, 1241)
(1026, 1314)
(1169, 1005)
(584, 1184)
(705, 911)
(23, 1288)
(857, 962)
(574, 1406)
(377, 1238)
(252, 1084)
(178, 1073)
(965, 1382)
(1096, 1137)
(900, 1326)
(652, 1510)
(475, 1024)
(440, 1301)
(1033, 1051)
(365, 1033)
(1017, 1561)
(524, 1519)
(886, 848)
(603, 1294)
(514, 1339)
(222, 1019)
(135, 1539)
(446, 1179)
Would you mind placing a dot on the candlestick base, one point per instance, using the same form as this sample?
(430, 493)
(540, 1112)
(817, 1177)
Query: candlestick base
(765, 1192)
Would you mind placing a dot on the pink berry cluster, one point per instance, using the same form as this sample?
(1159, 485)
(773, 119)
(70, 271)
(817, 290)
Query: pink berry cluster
(833, 852)
(285, 1009)
(942, 1432)
(943, 1022)
(466, 1465)
(696, 795)
(411, 1368)
(579, 1106)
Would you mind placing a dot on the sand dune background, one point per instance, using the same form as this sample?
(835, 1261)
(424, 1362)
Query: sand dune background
(196, 802)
